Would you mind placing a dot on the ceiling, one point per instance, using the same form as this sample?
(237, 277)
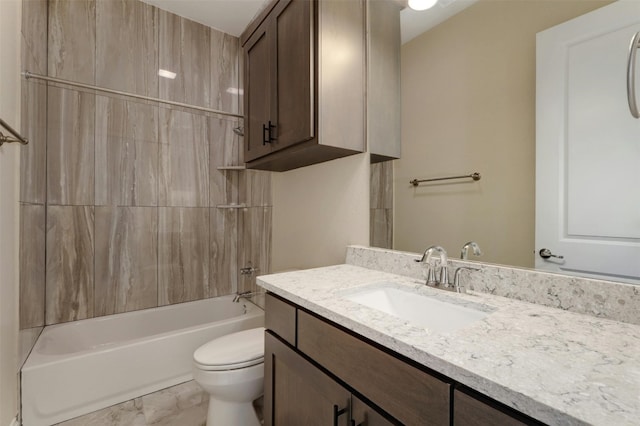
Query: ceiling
(228, 16)
(232, 16)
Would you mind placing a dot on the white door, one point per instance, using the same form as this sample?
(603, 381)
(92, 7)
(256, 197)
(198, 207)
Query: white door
(588, 146)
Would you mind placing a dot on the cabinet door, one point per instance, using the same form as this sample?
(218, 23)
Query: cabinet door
(294, 103)
(469, 411)
(364, 415)
(412, 396)
(297, 393)
(258, 52)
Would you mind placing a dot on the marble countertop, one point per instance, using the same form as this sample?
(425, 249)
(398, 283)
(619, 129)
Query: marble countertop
(556, 366)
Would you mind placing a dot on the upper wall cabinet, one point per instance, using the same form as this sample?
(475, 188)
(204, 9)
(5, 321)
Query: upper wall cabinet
(383, 79)
(305, 82)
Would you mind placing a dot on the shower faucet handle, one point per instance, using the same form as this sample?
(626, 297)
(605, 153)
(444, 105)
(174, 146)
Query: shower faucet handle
(249, 270)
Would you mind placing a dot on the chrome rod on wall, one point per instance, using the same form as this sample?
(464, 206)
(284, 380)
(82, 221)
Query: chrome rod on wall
(474, 176)
(6, 139)
(29, 75)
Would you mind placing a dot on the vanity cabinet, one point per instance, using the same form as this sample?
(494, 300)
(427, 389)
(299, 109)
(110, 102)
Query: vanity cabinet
(468, 410)
(301, 394)
(317, 373)
(304, 73)
(302, 375)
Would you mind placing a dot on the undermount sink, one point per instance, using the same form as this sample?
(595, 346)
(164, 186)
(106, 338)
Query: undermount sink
(421, 310)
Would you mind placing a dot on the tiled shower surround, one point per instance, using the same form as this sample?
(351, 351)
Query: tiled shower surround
(121, 198)
(381, 205)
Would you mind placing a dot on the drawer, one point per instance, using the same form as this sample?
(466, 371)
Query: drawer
(468, 410)
(280, 317)
(412, 396)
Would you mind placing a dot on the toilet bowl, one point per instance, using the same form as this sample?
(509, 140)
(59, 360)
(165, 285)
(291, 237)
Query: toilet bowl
(231, 370)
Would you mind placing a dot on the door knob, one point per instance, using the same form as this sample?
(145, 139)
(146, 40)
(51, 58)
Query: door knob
(546, 254)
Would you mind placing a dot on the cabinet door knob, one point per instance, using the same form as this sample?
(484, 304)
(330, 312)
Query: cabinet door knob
(337, 413)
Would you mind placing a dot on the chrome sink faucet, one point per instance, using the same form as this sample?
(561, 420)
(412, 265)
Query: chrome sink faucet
(465, 249)
(431, 276)
(443, 281)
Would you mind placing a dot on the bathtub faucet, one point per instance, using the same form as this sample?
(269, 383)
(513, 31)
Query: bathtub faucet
(246, 295)
(248, 270)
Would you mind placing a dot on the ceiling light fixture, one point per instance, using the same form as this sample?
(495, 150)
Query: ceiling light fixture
(166, 74)
(422, 4)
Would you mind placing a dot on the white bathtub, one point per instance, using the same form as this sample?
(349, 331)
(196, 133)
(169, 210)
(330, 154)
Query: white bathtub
(83, 366)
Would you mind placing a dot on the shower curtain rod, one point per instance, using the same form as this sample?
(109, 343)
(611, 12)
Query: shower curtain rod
(17, 136)
(29, 75)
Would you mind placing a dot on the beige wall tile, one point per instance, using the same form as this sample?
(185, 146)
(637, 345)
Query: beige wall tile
(32, 265)
(126, 153)
(126, 259)
(381, 196)
(105, 164)
(254, 246)
(34, 36)
(256, 188)
(381, 232)
(184, 160)
(183, 254)
(185, 49)
(33, 157)
(70, 147)
(72, 40)
(69, 263)
(127, 46)
(223, 151)
(225, 52)
(224, 252)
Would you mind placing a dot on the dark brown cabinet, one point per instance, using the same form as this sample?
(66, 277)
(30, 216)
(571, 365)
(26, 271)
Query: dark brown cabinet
(469, 410)
(304, 83)
(318, 374)
(363, 414)
(301, 394)
(406, 393)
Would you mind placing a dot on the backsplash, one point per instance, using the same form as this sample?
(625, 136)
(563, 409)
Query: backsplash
(603, 299)
(120, 197)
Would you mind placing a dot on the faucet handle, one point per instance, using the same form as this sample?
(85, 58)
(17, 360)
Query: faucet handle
(456, 277)
(444, 276)
(428, 272)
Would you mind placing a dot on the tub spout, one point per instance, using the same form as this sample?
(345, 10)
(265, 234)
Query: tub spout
(246, 295)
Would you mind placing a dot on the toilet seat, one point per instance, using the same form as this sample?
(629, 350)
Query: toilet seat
(232, 351)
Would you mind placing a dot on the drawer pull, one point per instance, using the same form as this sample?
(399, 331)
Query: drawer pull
(265, 134)
(272, 128)
(337, 413)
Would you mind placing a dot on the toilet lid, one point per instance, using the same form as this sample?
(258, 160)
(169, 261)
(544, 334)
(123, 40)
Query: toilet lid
(232, 351)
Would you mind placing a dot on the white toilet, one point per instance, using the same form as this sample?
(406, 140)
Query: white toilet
(231, 370)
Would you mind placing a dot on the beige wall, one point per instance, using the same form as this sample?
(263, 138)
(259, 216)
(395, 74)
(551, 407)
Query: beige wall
(10, 16)
(468, 104)
(318, 211)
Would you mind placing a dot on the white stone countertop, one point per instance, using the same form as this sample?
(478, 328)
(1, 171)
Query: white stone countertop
(556, 366)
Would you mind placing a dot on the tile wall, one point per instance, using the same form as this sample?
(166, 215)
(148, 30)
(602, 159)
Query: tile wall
(119, 196)
(381, 205)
